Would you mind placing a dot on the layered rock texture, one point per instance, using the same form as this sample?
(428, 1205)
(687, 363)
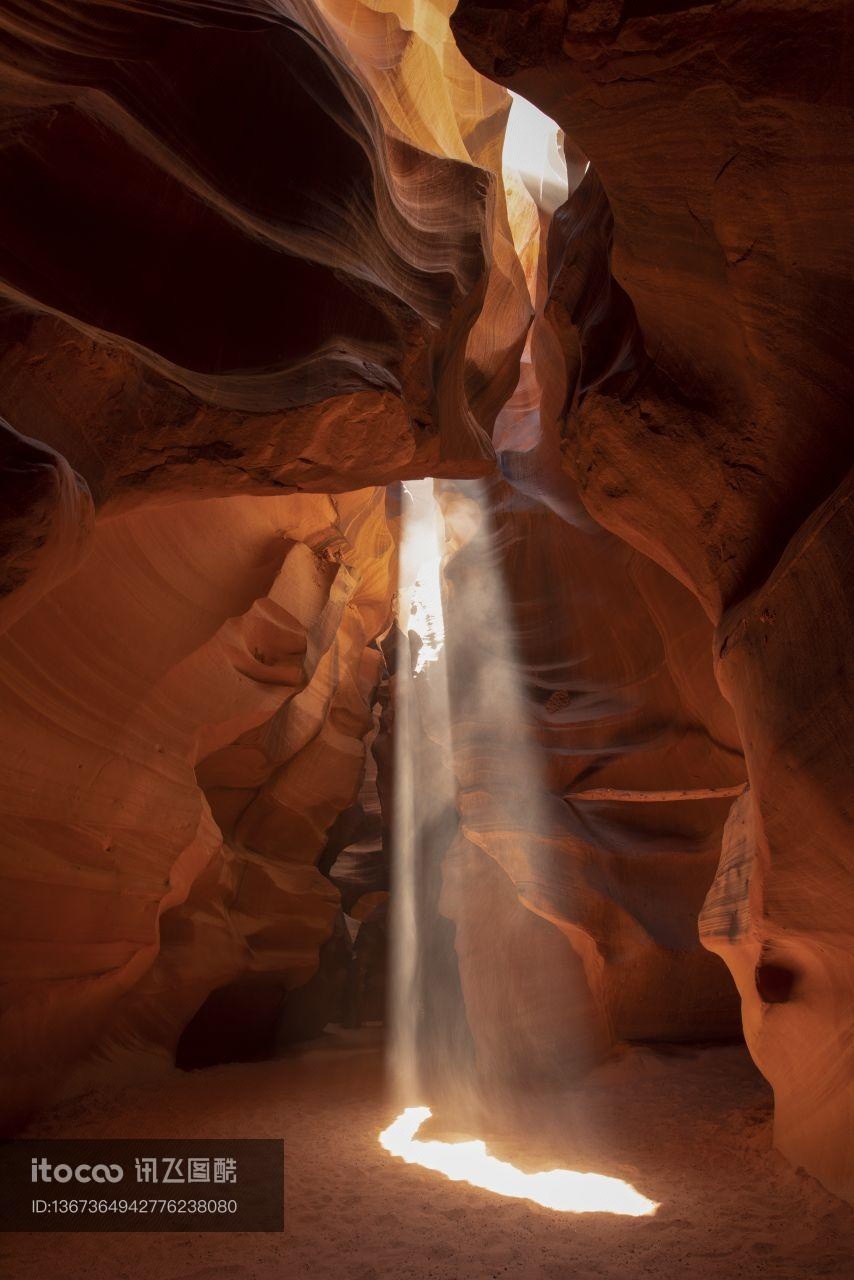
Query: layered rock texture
(260, 264)
(608, 821)
(229, 269)
(165, 711)
(701, 286)
(256, 263)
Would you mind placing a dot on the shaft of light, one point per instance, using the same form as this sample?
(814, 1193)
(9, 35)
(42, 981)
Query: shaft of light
(494, 713)
(562, 1189)
(419, 612)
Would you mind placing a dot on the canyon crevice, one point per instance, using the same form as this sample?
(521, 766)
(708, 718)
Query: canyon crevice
(704, 280)
(261, 266)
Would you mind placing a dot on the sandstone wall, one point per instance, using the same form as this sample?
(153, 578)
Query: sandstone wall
(259, 260)
(242, 270)
(209, 658)
(702, 289)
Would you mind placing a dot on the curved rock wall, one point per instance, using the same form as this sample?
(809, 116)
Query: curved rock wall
(595, 756)
(702, 290)
(196, 665)
(221, 330)
(244, 270)
(199, 298)
(608, 823)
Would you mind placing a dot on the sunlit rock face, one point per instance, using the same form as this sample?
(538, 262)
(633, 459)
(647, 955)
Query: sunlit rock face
(595, 756)
(596, 843)
(261, 260)
(164, 713)
(701, 289)
(254, 256)
(430, 96)
(231, 267)
(784, 921)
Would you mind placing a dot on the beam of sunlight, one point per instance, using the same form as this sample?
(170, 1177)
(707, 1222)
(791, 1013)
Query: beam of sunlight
(420, 589)
(420, 705)
(561, 1189)
(469, 652)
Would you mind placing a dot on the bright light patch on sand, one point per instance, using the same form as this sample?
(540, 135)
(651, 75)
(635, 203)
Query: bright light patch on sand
(561, 1189)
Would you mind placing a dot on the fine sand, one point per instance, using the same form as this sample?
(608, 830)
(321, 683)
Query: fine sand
(690, 1129)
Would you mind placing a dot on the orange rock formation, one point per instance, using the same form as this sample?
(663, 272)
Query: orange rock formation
(701, 284)
(259, 264)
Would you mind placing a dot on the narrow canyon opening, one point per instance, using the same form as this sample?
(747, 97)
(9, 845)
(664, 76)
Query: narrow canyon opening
(424, 614)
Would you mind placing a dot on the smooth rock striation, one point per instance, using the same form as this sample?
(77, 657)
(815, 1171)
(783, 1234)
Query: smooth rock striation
(260, 262)
(245, 267)
(702, 288)
(196, 665)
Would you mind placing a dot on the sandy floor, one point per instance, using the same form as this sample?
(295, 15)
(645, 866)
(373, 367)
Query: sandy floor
(690, 1130)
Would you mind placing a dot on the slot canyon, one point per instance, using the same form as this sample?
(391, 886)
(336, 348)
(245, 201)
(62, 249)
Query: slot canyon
(425, 629)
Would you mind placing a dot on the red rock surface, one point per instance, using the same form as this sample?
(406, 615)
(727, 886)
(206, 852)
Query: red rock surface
(608, 822)
(259, 263)
(238, 266)
(701, 285)
(164, 713)
(242, 304)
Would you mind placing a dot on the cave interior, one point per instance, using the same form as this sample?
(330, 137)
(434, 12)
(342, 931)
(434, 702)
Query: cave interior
(425, 615)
